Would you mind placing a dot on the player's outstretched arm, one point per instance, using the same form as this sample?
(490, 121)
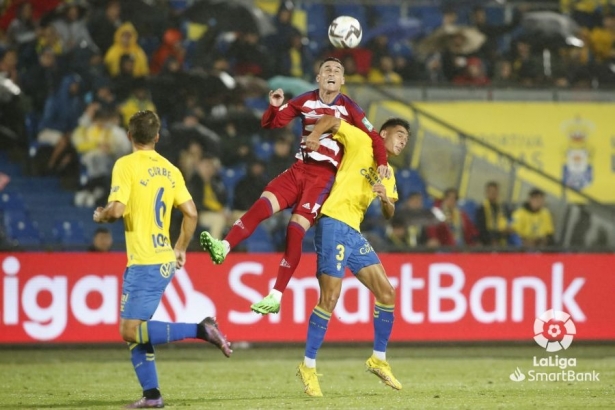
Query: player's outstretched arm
(110, 213)
(326, 123)
(277, 115)
(189, 220)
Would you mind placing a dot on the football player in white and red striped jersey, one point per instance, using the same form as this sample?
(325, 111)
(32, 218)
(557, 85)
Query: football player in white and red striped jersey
(307, 183)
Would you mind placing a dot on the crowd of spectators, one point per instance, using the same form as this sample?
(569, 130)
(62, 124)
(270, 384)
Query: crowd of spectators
(72, 72)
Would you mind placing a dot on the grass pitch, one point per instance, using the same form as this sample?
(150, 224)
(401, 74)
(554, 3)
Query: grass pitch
(199, 377)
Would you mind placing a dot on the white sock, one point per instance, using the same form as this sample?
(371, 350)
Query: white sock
(380, 355)
(227, 247)
(311, 363)
(276, 294)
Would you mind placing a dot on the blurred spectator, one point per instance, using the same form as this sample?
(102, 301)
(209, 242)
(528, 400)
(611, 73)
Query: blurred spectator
(172, 46)
(41, 79)
(527, 68)
(284, 29)
(282, 157)
(492, 218)
(248, 56)
(189, 158)
(60, 117)
(493, 33)
(236, 146)
(533, 222)
(100, 141)
(103, 25)
(22, 29)
(123, 82)
(209, 195)
(125, 42)
(413, 218)
(503, 76)
(139, 100)
(102, 241)
(603, 39)
(8, 65)
(457, 229)
(585, 12)
(49, 38)
(383, 73)
(102, 94)
(351, 74)
(473, 74)
(296, 61)
(396, 236)
(249, 188)
(188, 131)
(71, 26)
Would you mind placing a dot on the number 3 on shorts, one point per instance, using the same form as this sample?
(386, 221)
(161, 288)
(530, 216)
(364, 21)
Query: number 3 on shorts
(340, 254)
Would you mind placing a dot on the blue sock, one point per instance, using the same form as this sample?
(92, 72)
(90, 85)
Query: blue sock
(383, 325)
(163, 332)
(143, 360)
(319, 320)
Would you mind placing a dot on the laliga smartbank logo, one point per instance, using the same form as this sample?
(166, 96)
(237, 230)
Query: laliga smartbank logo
(554, 330)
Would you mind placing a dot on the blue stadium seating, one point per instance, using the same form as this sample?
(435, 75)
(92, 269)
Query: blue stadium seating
(469, 207)
(308, 241)
(386, 12)
(11, 201)
(409, 181)
(353, 10)
(263, 150)
(230, 178)
(260, 241)
(70, 233)
(22, 229)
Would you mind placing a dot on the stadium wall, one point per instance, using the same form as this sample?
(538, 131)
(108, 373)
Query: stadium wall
(74, 297)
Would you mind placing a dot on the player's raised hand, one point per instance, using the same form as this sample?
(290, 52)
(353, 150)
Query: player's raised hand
(312, 142)
(180, 258)
(384, 171)
(276, 98)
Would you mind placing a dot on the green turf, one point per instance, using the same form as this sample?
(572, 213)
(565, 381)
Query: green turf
(199, 377)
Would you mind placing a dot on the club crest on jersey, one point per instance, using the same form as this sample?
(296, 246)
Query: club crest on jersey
(367, 124)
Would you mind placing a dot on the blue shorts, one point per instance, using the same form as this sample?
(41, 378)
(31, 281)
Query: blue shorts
(143, 288)
(338, 246)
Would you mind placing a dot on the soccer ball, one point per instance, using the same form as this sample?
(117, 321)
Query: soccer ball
(345, 32)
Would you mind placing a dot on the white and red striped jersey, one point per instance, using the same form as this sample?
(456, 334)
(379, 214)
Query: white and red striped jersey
(310, 108)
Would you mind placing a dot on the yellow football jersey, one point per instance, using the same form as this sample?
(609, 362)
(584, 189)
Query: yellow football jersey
(352, 192)
(149, 185)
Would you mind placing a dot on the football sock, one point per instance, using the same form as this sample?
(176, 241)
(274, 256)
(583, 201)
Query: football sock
(383, 325)
(319, 320)
(311, 363)
(163, 332)
(244, 226)
(143, 361)
(292, 255)
(276, 295)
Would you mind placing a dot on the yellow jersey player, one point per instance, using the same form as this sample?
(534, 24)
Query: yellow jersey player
(340, 244)
(144, 188)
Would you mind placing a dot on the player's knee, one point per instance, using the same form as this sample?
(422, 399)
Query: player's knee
(328, 300)
(127, 332)
(386, 296)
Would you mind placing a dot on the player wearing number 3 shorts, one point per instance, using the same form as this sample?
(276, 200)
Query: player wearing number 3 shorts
(340, 244)
(144, 189)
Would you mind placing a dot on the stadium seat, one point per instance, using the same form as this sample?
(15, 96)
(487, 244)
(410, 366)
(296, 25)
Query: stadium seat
(70, 233)
(409, 181)
(22, 229)
(230, 178)
(469, 207)
(11, 201)
(386, 12)
(260, 241)
(263, 150)
(430, 16)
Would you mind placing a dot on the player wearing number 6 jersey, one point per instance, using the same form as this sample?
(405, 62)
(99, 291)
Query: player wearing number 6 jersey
(144, 188)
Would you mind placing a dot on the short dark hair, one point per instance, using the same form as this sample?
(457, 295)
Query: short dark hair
(449, 191)
(536, 192)
(394, 122)
(101, 230)
(144, 127)
(493, 184)
(337, 60)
